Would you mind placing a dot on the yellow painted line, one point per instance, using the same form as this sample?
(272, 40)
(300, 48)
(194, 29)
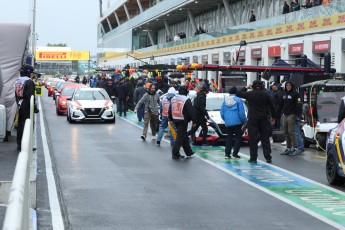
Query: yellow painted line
(320, 157)
(339, 154)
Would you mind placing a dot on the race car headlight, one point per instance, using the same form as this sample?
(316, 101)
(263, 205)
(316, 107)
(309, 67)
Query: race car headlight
(109, 107)
(75, 107)
(62, 102)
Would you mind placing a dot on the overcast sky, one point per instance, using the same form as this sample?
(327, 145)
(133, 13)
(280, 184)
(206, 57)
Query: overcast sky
(58, 21)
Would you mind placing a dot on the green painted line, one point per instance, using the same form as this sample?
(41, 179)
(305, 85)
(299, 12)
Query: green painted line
(325, 203)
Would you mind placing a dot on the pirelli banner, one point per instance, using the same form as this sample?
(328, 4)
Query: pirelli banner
(62, 55)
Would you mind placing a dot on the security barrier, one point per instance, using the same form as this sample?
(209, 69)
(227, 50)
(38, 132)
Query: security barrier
(19, 202)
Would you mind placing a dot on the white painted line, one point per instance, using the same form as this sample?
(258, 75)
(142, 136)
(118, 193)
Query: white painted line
(57, 221)
(327, 221)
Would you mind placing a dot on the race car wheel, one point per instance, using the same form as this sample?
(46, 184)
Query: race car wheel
(58, 112)
(70, 119)
(322, 139)
(111, 121)
(332, 171)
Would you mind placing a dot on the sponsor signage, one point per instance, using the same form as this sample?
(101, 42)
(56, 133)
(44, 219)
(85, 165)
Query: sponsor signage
(186, 60)
(226, 56)
(256, 53)
(204, 58)
(215, 57)
(321, 46)
(296, 49)
(195, 59)
(179, 61)
(241, 54)
(274, 51)
(62, 55)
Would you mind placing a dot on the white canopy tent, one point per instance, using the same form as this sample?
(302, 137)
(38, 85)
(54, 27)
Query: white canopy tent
(13, 49)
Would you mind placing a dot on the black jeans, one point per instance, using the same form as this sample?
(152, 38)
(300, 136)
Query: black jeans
(204, 128)
(234, 139)
(256, 128)
(181, 140)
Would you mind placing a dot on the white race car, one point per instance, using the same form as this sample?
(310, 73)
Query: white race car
(90, 104)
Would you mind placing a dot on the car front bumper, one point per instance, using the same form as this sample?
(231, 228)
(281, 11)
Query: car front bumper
(88, 114)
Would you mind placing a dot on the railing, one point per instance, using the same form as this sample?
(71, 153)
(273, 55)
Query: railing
(19, 202)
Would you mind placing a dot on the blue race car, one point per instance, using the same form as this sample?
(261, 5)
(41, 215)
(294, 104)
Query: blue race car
(335, 168)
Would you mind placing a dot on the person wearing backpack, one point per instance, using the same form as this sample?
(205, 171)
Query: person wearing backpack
(24, 89)
(234, 116)
(165, 104)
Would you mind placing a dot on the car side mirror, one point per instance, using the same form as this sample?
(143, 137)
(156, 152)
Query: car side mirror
(69, 98)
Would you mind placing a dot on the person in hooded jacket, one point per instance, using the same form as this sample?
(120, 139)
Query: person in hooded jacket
(260, 113)
(199, 105)
(138, 94)
(151, 101)
(291, 106)
(234, 116)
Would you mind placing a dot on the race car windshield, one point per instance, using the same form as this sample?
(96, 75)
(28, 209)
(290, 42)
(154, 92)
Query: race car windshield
(214, 104)
(91, 95)
(327, 104)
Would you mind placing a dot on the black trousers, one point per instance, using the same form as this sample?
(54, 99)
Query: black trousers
(181, 140)
(24, 114)
(233, 139)
(256, 128)
(122, 106)
(204, 128)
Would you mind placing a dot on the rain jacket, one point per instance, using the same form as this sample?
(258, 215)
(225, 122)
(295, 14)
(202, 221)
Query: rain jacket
(232, 111)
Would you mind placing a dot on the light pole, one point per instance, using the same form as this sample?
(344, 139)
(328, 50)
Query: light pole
(33, 33)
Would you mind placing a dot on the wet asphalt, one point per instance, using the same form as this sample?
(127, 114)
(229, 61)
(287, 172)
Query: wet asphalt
(109, 179)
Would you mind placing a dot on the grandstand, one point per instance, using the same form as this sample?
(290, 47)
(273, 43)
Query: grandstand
(147, 29)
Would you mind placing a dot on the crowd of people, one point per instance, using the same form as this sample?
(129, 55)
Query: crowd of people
(267, 110)
(296, 5)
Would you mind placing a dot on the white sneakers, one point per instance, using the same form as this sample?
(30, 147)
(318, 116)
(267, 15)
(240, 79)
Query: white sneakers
(283, 143)
(154, 138)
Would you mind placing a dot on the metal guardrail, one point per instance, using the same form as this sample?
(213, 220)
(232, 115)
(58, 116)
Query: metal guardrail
(19, 202)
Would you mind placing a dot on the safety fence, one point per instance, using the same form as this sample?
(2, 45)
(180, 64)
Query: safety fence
(20, 200)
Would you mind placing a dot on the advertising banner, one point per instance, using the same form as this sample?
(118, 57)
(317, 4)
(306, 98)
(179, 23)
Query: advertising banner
(321, 47)
(62, 55)
(296, 49)
(256, 53)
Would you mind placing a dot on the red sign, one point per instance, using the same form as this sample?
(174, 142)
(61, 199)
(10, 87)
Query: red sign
(296, 49)
(256, 53)
(274, 51)
(321, 47)
(241, 55)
